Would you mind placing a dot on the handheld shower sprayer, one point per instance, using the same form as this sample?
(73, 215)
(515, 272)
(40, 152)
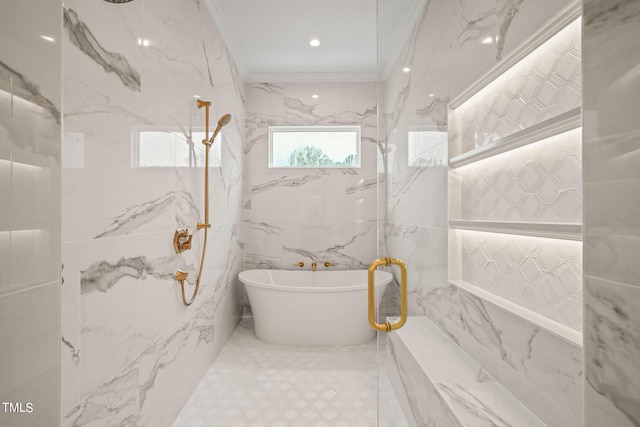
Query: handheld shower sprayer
(221, 122)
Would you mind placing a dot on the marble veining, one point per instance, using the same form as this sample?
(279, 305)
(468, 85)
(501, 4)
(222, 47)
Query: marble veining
(285, 182)
(487, 404)
(509, 348)
(612, 342)
(112, 62)
(29, 90)
(115, 403)
(335, 253)
(101, 276)
(506, 14)
(599, 15)
(74, 352)
(137, 215)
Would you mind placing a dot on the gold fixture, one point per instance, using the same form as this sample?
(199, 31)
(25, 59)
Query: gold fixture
(182, 240)
(299, 264)
(181, 275)
(314, 265)
(329, 264)
(387, 326)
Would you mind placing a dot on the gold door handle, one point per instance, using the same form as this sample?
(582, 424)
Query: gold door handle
(387, 326)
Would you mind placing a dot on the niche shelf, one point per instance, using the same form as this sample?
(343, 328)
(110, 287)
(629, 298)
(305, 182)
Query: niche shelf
(556, 328)
(549, 230)
(561, 123)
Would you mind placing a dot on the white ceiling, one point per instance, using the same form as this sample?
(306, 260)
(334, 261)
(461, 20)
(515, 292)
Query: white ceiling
(269, 39)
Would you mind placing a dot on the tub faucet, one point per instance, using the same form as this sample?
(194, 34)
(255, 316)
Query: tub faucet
(313, 266)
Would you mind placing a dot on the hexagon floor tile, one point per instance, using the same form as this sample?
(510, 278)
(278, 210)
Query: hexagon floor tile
(253, 383)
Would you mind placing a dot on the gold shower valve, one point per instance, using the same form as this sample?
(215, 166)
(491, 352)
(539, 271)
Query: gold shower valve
(329, 264)
(299, 264)
(182, 240)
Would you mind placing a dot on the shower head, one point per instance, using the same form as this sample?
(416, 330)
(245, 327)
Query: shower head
(222, 122)
(118, 1)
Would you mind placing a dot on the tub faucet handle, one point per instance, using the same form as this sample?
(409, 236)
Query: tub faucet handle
(329, 264)
(299, 264)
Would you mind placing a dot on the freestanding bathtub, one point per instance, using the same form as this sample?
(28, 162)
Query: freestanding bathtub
(311, 308)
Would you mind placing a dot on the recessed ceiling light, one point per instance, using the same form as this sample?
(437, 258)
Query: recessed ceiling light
(49, 39)
(406, 69)
(143, 42)
(432, 95)
(487, 40)
(314, 42)
(315, 96)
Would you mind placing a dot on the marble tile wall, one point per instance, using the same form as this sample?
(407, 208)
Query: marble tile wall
(441, 67)
(611, 221)
(30, 187)
(133, 173)
(446, 55)
(294, 215)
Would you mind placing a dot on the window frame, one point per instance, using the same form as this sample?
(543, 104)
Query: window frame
(317, 129)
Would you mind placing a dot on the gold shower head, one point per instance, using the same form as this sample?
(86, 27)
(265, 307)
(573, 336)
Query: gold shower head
(222, 122)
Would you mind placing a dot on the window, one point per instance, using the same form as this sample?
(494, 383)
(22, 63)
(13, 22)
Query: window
(173, 149)
(314, 146)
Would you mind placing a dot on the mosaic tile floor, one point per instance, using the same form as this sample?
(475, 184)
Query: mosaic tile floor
(253, 383)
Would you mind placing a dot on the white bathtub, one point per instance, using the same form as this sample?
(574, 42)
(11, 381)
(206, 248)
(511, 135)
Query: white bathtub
(311, 308)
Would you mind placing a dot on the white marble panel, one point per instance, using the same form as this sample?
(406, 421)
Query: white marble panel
(612, 348)
(30, 354)
(35, 258)
(610, 70)
(24, 55)
(115, 402)
(612, 231)
(105, 55)
(347, 245)
(424, 251)
(70, 351)
(542, 370)
(5, 262)
(291, 105)
(420, 197)
(32, 197)
(5, 224)
(5, 118)
(425, 403)
(177, 362)
(133, 199)
(486, 403)
(129, 296)
(35, 126)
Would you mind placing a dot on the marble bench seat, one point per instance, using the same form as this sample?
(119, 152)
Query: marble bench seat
(440, 385)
